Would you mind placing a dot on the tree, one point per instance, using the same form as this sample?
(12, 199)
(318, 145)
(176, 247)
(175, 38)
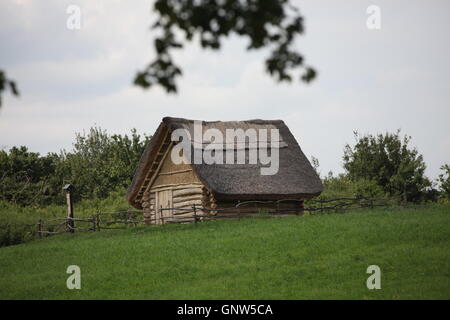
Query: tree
(6, 83)
(26, 177)
(444, 180)
(98, 165)
(315, 164)
(390, 162)
(273, 24)
(101, 163)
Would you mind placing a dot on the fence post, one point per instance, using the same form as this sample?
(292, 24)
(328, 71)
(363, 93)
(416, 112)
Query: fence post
(128, 220)
(171, 211)
(39, 225)
(239, 209)
(70, 223)
(97, 216)
(301, 206)
(93, 223)
(195, 213)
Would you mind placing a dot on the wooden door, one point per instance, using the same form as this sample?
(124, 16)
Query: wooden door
(164, 201)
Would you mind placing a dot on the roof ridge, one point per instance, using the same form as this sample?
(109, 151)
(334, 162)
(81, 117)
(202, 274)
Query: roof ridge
(168, 120)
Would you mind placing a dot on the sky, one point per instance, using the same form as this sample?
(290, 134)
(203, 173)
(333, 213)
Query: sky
(369, 80)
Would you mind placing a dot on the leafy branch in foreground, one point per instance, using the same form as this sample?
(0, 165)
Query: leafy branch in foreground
(267, 23)
(5, 83)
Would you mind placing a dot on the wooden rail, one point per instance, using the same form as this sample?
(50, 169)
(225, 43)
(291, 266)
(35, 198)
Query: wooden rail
(125, 219)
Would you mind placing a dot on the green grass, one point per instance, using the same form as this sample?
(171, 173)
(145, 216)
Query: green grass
(309, 257)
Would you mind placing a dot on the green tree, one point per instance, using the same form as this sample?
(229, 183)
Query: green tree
(273, 24)
(101, 163)
(390, 162)
(444, 181)
(25, 177)
(98, 165)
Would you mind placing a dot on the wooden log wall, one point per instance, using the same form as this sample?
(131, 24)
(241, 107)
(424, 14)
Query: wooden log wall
(148, 205)
(184, 197)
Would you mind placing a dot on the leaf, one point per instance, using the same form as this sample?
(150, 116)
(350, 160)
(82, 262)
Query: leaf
(265, 23)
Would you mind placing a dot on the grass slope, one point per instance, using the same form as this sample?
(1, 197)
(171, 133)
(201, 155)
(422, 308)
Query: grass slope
(310, 257)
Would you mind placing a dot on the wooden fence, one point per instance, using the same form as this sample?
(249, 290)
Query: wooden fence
(248, 209)
(98, 221)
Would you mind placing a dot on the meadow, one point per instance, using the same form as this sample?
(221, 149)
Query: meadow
(305, 257)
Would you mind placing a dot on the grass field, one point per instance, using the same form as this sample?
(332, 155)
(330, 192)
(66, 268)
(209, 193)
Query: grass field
(309, 257)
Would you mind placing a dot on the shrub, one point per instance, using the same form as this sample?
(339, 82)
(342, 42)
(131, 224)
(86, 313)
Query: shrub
(98, 164)
(19, 224)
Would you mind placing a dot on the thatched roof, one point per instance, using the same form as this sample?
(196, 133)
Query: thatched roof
(295, 178)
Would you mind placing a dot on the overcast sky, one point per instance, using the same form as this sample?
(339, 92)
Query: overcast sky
(372, 81)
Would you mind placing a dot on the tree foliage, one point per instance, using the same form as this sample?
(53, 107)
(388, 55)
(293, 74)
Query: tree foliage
(26, 177)
(444, 180)
(274, 24)
(315, 164)
(98, 165)
(341, 186)
(390, 162)
(6, 83)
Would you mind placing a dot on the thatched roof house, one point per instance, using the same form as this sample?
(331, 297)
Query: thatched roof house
(160, 183)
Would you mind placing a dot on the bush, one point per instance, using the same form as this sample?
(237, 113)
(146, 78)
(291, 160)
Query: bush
(99, 164)
(18, 224)
(341, 186)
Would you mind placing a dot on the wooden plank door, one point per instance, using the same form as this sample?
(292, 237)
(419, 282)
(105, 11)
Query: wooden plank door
(163, 201)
